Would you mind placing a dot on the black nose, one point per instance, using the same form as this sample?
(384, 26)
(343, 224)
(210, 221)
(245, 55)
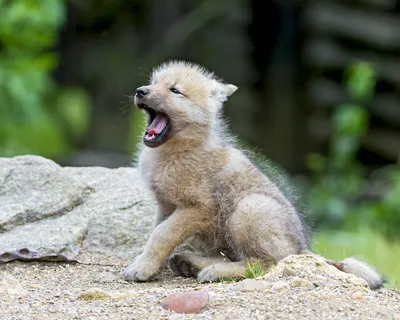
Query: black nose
(141, 92)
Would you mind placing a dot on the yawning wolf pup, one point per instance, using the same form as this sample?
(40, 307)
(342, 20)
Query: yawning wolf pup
(209, 190)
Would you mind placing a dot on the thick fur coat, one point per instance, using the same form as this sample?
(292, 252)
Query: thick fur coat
(209, 190)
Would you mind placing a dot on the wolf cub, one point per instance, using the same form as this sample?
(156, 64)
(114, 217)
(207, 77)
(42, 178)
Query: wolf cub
(207, 189)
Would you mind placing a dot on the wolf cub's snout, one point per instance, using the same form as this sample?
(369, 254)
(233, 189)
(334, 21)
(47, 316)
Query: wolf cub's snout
(158, 122)
(141, 92)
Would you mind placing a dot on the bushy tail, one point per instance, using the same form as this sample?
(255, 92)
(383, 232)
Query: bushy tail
(359, 269)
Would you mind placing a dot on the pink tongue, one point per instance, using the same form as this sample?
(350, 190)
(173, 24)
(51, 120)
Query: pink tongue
(158, 124)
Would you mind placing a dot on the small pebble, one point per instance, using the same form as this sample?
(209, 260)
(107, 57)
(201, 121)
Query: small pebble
(105, 277)
(319, 277)
(357, 295)
(280, 286)
(299, 282)
(358, 282)
(251, 285)
(35, 303)
(288, 272)
(10, 286)
(186, 302)
(95, 294)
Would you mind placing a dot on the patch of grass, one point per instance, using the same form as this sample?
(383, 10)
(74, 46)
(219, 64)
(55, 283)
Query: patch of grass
(254, 269)
(366, 244)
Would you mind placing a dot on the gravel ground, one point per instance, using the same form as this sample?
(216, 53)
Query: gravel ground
(33, 290)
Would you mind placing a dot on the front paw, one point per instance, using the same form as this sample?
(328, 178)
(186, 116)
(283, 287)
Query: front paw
(141, 269)
(208, 274)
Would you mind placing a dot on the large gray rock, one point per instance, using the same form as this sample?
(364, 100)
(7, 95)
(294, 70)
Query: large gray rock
(49, 212)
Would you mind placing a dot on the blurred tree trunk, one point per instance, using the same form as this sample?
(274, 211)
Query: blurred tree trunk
(278, 117)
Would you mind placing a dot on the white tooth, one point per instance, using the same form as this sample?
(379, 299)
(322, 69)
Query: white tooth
(153, 136)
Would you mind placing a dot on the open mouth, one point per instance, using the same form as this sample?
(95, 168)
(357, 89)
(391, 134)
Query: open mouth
(158, 127)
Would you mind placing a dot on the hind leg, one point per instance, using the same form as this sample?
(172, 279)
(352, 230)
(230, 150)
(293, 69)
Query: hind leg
(222, 270)
(209, 269)
(266, 228)
(189, 264)
(230, 270)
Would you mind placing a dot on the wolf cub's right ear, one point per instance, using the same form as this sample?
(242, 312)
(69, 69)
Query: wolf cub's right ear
(222, 91)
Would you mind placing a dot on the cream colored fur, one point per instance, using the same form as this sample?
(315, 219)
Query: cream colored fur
(209, 191)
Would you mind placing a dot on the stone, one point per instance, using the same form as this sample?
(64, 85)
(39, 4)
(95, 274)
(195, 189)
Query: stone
(280, 286)
(186, 302)
(71, 210)
(11, 287)
(288, 272)
(357, 295)
(56, 240)
(95, 294)
(100, 294)
(105, 277)
(299, 282)
(358, 282)
(33, 189)
(319, 277)
(314, 269)
(251, 285)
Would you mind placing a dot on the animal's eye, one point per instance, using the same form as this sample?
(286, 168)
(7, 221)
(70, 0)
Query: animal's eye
(175, 90)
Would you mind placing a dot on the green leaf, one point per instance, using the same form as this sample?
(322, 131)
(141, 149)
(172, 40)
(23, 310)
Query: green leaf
(350, 120)
(360, 80)
(73, 105)
(316, 162)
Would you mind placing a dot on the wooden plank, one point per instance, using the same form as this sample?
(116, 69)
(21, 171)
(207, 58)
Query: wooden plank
(384, 142)
(387, 5)
(325, 54)
(373, 28)
(326, 93)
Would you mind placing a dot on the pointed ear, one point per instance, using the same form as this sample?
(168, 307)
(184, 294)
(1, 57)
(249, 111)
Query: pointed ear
(222, 91)
(230, 89)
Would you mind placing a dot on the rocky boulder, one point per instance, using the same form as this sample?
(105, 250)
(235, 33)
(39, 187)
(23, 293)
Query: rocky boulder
(49, 212)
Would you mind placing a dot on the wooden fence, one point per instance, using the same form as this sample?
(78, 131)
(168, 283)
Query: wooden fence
(337, 33)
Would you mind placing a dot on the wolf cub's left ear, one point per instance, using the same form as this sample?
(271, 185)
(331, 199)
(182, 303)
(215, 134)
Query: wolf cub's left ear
(222, 91)
(230, 89)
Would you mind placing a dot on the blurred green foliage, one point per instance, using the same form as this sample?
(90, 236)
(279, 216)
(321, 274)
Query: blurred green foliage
(339, 181)
(36, 116)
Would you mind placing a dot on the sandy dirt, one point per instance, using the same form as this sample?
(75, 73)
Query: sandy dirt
(54, 291)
